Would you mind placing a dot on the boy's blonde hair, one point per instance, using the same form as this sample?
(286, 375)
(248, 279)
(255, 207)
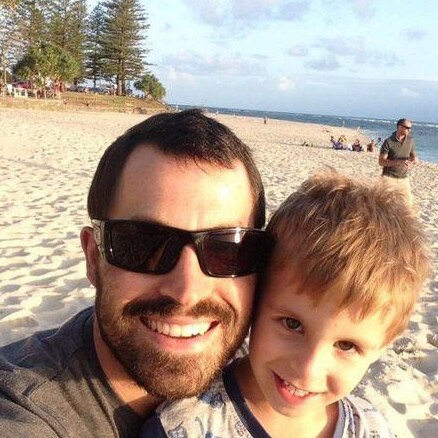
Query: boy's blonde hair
(353, 243)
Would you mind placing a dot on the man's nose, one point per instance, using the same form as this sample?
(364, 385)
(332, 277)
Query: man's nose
(186, 283)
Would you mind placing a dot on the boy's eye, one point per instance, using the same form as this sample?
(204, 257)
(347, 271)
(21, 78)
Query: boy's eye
(346, 345)
(292, 324)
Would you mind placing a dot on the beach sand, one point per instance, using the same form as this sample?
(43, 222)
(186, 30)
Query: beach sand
(47, 160)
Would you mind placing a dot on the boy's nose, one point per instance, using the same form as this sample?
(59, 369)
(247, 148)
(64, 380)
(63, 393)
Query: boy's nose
(313, 367)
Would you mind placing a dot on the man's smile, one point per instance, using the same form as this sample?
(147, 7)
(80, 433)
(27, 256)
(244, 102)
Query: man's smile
(177, 330)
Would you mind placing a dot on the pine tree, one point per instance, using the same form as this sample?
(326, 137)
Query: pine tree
(67, 29)
(122, 41)
(10, 41)
(33, 21)
(93, 63)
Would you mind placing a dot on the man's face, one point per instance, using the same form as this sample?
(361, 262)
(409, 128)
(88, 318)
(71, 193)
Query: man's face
(305, 357)
(404, 128)
(174, 332)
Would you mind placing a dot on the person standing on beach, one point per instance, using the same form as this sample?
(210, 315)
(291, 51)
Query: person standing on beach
(397, 156)
(176, 207)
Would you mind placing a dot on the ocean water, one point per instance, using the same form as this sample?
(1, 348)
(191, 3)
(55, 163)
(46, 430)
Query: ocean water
(425, 134)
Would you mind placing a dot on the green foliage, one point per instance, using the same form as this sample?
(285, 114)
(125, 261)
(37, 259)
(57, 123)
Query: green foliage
(122, 41)
(57, 39)
(10, 42)
(67, 28)
(150, 86)
(9, 3)
(46, 62)
(33, 21)
(94, 62)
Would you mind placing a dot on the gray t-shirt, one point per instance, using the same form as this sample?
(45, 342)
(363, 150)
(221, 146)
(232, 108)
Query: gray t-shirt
(51, 385)
(397, 150)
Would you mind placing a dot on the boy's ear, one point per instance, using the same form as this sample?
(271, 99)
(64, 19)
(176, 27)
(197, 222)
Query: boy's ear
(91, 252)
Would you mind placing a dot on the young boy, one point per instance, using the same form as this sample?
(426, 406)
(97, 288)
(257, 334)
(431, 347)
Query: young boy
(347, 267)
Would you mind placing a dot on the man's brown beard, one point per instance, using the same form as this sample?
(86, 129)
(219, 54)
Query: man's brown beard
(162, 374)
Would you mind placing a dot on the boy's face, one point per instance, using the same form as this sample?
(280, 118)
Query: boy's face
(305, 358)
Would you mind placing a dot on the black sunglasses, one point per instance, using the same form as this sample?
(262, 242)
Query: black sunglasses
(149, 248)
(406, 127)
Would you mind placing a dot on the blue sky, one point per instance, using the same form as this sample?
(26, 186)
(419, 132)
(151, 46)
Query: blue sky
(370, 58)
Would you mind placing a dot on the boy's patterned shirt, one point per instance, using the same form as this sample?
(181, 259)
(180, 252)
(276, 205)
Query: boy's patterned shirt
(221, 412)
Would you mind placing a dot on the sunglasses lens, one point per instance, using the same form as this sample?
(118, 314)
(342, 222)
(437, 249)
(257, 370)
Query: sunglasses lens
(145, 248)
(232, 253)
(149, 248)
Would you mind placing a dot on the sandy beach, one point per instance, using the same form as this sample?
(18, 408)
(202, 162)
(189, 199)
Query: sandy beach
(47, 160)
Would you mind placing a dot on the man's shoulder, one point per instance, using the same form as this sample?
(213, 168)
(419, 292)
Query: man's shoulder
(27, 363)
(51, 385)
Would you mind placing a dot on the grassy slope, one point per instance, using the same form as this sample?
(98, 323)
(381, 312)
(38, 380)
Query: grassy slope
(71, 101)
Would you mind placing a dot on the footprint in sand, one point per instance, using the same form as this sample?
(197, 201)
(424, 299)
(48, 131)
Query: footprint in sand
(48, 304)
(426, 364)
(434, 406)
(70, 262)
(432, 338)
(39, 272)
(9, 288)
(406, 393)
(11, 301)
(47, 281)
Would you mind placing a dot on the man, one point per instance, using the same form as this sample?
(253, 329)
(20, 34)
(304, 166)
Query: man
(176, 205)
(397, 156)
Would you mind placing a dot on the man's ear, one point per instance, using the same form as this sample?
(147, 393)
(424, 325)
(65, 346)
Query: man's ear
(91, 252)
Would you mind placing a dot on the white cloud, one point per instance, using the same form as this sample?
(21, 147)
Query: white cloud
(406, 92)
(180, 77)
(363, 9)
(324, 64)
(298, 51)
(247, 12)
(195, 63)
(286, 84)
(414, 34)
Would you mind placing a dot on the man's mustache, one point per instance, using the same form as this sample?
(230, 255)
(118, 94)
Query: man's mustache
(168, 307)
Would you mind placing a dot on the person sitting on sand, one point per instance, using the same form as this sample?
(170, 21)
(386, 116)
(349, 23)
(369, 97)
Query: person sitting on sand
(378, 142)
(322, 318)
(356, 146)
(370, 146)
(336, 144)
(343, 140)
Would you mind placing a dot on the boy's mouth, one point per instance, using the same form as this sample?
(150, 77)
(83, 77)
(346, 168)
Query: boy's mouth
(293, 390)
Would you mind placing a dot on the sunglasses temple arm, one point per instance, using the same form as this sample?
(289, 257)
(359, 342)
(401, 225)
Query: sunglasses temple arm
(98, 236)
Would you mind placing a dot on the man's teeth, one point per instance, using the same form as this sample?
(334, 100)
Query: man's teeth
(179, 331)
(294, 390)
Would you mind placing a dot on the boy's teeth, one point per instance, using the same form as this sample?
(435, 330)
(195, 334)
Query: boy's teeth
(294, 390)
(178, 331)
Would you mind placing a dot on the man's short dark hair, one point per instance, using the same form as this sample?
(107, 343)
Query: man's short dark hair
(401, 122)
(187, 135)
